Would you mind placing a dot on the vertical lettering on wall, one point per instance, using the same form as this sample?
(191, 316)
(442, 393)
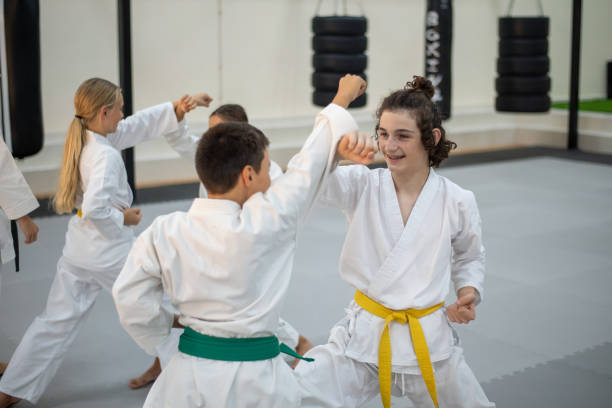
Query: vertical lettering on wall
(438, 42)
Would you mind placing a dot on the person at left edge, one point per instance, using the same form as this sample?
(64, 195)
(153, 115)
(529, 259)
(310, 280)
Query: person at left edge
(16, 202)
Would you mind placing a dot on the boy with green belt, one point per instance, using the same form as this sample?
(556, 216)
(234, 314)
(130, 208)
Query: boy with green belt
(226, 264)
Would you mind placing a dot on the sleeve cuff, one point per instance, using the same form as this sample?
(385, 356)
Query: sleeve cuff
(22, 208)
(479, 290)
(341, 121)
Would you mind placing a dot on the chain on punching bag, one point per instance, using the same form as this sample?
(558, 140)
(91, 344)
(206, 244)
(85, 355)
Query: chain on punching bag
(438, 48)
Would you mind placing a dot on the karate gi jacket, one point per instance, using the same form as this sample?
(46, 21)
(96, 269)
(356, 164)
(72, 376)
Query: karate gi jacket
(98, 240)
(226, 268)
(16, 200)
(404, 266)
(185, 143)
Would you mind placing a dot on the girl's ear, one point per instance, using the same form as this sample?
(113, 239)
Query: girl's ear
(437, 134)
(102, 112)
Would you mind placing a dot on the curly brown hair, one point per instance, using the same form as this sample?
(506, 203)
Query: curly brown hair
(416, 98)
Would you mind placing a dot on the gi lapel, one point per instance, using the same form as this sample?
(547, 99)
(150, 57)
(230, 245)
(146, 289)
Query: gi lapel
(393, 261)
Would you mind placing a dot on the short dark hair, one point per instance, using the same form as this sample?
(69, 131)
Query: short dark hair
(416, 99)
(224, 150)
(231, 112)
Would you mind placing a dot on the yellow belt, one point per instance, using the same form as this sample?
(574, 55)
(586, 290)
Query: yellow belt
(411, 317)
(80, 213)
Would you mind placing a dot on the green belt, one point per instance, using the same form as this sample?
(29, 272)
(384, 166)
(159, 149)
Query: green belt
(233, 349)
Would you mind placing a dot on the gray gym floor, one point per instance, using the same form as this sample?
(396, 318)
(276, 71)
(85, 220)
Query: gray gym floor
(542, 337)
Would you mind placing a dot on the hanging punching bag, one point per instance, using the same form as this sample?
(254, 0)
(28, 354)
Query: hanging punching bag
(438, 48)
(523, 82)
(339, 44)
(22, 45)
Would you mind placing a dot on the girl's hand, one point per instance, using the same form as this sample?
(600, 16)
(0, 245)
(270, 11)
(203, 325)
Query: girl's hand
(464, 309)
(132, 216)
(357, 147)
(201, 99)
(188, 103)
(350, 88)
(182, 106)
(29, 229)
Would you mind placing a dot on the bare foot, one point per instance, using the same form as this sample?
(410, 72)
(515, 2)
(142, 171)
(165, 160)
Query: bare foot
(7, 400)
(145, 378)
(3, 368)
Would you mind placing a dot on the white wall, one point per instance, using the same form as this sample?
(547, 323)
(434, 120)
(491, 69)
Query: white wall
(258, 53)
(265, 50)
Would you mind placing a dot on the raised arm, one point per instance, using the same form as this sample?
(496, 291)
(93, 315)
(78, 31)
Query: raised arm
(293, 194)
(143, 125)
(182, 140)
(344, 187)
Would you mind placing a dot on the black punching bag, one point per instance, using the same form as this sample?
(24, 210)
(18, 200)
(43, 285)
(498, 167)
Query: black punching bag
(339, 44)
(22, 39)
(523, 65)
(438, 52)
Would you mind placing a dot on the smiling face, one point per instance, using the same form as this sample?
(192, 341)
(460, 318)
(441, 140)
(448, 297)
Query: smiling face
(399, 140)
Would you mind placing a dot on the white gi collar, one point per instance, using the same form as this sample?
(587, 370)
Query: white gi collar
(93, 136)
(219, 206)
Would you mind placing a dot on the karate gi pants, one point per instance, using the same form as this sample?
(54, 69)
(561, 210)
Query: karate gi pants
(5, 269)
(335, 380)
(48, 339)
(190, 382)
(46, 342)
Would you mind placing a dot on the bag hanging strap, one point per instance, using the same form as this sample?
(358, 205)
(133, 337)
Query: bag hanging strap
(512, 5)
(336, 6)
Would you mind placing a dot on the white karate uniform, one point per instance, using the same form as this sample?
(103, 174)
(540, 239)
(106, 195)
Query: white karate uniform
(401, 267)
(227, 270)
(16, 200)
(96, 247)
(185, 143)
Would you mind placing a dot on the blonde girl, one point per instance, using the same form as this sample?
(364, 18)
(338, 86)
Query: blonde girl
(93, 181)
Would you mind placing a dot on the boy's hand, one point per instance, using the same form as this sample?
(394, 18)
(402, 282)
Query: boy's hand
(464, 309)
(132, 216)
(29, 229)
(201, 99)
(182, 106)
(357, 147)
(350, 88)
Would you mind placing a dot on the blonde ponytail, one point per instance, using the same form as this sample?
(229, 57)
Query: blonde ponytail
(70, 177)
(91, 96)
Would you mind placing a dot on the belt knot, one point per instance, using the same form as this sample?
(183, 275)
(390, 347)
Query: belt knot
(410, 316)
